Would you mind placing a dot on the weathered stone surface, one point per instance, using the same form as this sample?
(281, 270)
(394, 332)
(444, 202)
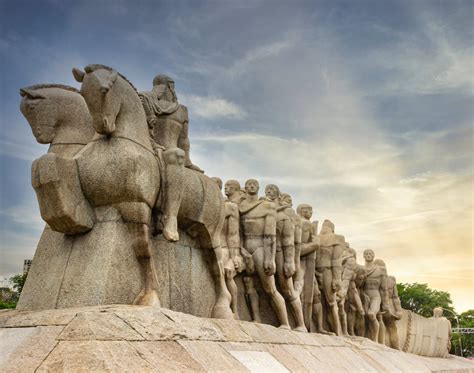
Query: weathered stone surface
(212, 356)
(23, 349)
(155, 324)
(101, 326)
(119, 338)
(87, 356)
(167, 357)
(41, 290)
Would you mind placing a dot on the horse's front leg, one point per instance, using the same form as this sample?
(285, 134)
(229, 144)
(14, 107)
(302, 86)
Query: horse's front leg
(137, 218)
(221, 309)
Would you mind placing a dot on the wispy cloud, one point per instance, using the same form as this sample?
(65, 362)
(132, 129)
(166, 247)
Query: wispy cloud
(211, 107)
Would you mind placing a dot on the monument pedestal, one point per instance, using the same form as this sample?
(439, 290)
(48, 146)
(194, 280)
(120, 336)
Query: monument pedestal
(117, 338)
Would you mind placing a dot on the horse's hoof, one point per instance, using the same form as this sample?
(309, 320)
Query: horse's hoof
(148, 298)
(171, 236)
(222, 312)
(284, 327)
(322, 331)
(301, 329)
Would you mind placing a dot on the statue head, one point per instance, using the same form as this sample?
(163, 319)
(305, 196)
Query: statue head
(327, 227)
(218, 181)
(286, 199)
(251, 187)
(272, 192)
(231, 187)
(165, 86)
(102, 91)
(369, 255)
(54, 110)
(304, 210)
(437, 312)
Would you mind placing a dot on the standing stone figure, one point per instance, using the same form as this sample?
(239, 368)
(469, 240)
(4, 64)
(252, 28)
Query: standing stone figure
(329, 270)
(305, 279)
(395, 310)
(285, 254)
(349, 301)
(230, 245)
(168, 124)
(375, 287)
(258, 226)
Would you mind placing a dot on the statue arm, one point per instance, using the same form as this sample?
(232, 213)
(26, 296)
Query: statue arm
(183, 141)
(298, 244)
(288, 247)
(336, 265)
(233, 237)
(148, 107)
(396, 302)
(310, 247)
(384, 293)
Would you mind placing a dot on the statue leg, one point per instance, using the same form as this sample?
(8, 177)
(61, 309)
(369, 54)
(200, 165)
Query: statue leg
(137, 217)
(221, 309)
(343, 317)
(331, 301)
(392, 333)
(288, 292)
(374, 308)
(318, 310)
(268, 283)
(174, 164)
(232, 287)
(350, 321)
(252, 298)
(381, 334)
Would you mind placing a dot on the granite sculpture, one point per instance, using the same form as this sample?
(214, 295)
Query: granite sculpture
(119, 193)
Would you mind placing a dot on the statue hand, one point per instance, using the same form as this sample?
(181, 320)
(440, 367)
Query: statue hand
(269, 267)
(239, 263)
(289, 269)
(336, 285)
(151, 120)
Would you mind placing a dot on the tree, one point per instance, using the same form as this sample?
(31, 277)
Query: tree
(422, 299)
(466, 320)
(18, 282)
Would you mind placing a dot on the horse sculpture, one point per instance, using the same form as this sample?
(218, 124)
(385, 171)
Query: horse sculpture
(120, 169)
(58, 115)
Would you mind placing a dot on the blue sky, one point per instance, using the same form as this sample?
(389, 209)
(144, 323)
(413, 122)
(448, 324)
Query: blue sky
(362, 109)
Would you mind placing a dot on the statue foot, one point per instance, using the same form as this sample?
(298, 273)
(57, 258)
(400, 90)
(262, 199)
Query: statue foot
(301, 329)
(284, 327)
(322, 331)
(170, 230)
(195, 168)
(147, 298)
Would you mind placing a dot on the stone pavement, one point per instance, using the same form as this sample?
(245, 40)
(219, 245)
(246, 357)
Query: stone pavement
(118, 338)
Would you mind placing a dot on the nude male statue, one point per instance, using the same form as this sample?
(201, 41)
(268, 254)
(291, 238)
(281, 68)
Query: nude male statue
(349, 301)
(285, 254)
(329, 270)
(305, 281)
(395, 309)
(230, 246)
(258, 227)
(168, 124)
(375, 287)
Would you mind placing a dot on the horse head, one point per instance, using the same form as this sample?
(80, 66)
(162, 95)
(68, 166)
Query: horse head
(99, 90)
(51, 108)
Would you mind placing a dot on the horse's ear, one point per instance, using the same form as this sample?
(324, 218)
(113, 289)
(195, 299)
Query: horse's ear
(113, 76)
(30, 93)
(78, 74)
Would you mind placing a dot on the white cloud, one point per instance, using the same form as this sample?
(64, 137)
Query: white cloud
(210, 107)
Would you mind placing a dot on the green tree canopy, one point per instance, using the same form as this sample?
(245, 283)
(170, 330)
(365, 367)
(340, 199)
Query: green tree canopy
(18, 282)
(420, 298)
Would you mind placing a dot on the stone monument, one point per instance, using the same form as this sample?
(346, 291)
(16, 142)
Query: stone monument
(136, 234)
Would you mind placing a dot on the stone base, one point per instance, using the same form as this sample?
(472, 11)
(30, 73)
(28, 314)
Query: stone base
(118, 338)
(100, 267)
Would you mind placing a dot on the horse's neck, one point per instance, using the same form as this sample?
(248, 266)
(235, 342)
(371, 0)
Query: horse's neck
(75, 129)
(131, 123)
